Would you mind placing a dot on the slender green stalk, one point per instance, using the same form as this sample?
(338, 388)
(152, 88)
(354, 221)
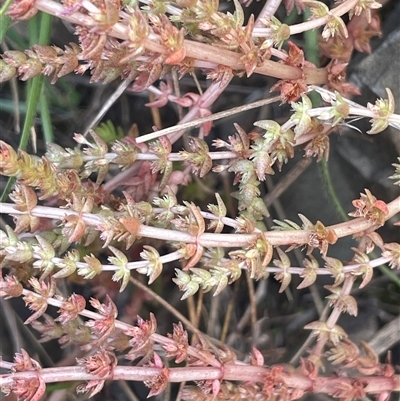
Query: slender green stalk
(311, 50)
(33, 30)
(311, 42)
(47, 125)
(33, 96)
(7, 188)
(45, 28)
(17, 40)
(326, 177)
(5, 7)
(394, 278)
(4, 19)
(312, 55)
(4, 23)
(44, 38)
(39, 32)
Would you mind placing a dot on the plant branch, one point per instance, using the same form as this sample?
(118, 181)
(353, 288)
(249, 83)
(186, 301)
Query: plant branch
(213, 117)
(327, 385)
(316, 23)
(195, 50)
(276, 238)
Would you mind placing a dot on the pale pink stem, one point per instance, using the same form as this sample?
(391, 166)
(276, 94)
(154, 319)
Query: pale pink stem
(269, 9)
(276, 238)
(346, 289)
(355, 111)
(244, 373)
(316, 23)
(311, 24)
(125, 327)
(334, 316)
(196, 50)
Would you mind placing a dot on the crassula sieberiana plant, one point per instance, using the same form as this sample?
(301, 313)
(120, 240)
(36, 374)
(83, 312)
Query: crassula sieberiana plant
(116, 208)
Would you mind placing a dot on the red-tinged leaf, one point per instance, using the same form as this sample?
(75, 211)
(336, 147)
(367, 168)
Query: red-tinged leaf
(382, 206)
(289, 5)
(205, 127)
(24, 197)
(162, 98)
(368, 364)
(178, 348)
(93, 387)
(176, 57)
(196, 256)
(377, 240)
(367, 272)
(71, 308)
(132, 224)
(295, 56)
(158, 383)
(309, 275)
(321, 330)
(159, 101)
(216, 386)
(23, 362)
(350, 304)
(10, 287)
(78, 231)
(256, 358)
(308, 368)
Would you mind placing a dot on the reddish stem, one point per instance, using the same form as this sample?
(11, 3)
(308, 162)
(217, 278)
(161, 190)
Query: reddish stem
(276, 238)
(245, 373)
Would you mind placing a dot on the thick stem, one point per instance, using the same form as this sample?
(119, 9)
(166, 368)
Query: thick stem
(321, 385)
(276, 238)
(195, 50)
(202, 51)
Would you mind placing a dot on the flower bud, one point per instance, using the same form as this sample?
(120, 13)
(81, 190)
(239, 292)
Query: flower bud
(30, 69)
(14, 58)
(6, 71)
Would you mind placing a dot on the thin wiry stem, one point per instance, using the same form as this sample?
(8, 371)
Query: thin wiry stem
(213, 117)
(346, 289)
(316, 23)
(334, 316)
(106, 106)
